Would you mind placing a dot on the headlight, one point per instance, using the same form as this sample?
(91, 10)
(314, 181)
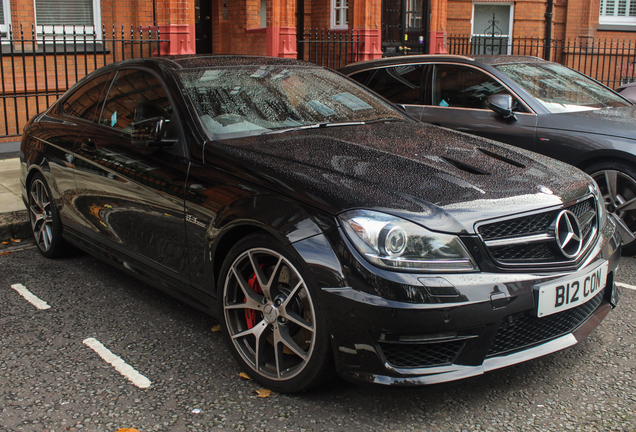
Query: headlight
(390, 242)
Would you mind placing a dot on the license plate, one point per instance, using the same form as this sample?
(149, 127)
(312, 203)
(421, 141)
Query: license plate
(571, 291)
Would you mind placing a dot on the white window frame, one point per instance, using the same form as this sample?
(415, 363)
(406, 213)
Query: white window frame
(65, 33)
(335, 11)
(6, 8)
(510, 23)
(616, 19)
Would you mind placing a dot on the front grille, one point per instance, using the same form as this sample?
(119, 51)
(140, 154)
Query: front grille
(419, 355)
(523, 330)
(517, 251)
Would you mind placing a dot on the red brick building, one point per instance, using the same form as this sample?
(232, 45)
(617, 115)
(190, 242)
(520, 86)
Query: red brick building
(53, 43)
(273, 27)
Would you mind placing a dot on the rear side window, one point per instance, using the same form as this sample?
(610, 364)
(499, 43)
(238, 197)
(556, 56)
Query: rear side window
(135, 96)
(85, 101)
(399, 84)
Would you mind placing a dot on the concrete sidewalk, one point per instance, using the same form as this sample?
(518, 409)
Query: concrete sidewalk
(14, 220)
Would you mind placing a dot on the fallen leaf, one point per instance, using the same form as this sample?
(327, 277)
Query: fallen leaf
(263, 393)
(5, 243)
(244, 375)
(15, 240)
(4, 253)
(127, 430)
(216, 328)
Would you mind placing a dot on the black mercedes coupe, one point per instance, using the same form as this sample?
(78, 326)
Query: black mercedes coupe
(327, 231)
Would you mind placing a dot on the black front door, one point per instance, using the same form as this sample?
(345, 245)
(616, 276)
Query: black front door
(405, 27)
(203, 26)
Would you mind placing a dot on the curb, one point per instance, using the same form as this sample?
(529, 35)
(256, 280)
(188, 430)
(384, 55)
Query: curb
(15, 225)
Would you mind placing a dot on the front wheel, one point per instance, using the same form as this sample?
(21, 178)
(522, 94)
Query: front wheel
(270, 316)
(617, 182)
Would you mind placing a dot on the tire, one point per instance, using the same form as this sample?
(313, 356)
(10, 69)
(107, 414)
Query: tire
(617, 182)
(45, 219)
(268, 307)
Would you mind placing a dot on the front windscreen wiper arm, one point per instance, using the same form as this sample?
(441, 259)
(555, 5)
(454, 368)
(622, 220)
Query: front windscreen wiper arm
(313, 126)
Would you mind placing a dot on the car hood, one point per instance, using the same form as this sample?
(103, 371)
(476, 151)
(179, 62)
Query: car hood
(442, 179)
(619, 122)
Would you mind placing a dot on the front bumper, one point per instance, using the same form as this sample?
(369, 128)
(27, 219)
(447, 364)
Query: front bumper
(489, 322)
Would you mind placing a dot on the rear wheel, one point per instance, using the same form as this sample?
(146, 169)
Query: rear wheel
(45, 219)
(271, 318)
(617, 182)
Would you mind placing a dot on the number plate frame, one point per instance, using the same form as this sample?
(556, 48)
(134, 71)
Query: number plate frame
(571, 291)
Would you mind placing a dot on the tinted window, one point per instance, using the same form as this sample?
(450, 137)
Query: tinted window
(134, 96)
(399, 84)
(463, 87)
(84, 102)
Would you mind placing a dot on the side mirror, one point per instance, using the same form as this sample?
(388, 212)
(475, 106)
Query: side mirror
(150, 133)
(501, 104)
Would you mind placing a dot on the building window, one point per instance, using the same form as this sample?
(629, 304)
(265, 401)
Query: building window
(492, 28)
(263, 13)
(618, 12)
(5, 16)
(340, 14)
(68, 19)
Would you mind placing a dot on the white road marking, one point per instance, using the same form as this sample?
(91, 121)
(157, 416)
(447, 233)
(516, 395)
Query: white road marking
(30, 297)
(120, 366)
(624, 285)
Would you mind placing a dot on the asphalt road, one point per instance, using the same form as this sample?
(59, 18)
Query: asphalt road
(50, 380)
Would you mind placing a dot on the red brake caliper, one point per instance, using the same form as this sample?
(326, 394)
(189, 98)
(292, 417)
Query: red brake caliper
(252, 316)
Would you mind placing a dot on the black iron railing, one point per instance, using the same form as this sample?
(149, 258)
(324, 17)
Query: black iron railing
(612, 62)
(38, 64)
(330, 48)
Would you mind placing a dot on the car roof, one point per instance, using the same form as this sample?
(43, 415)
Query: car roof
(195, 61)
(483, 59)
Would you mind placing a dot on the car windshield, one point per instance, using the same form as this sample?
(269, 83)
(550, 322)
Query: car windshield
(560, 89)
(249, 100)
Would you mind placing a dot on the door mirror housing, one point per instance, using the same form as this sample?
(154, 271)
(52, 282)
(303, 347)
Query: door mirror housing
(502, 105)
(151, 133)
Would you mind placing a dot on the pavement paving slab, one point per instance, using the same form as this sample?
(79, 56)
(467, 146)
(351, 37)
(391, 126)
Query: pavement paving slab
(14, 221)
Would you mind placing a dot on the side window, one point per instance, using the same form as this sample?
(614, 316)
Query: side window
(463, 87)
(135, 96)
(85, 101)
(399, 84)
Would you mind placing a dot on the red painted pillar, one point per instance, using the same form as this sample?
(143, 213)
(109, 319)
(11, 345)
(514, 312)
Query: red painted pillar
(179, 39)
(281, 42)
(176, 26)
(370, 48)
(367, 24)
(281, 28)
(437, 42)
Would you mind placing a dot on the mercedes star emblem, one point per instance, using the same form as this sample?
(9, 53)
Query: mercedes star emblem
(568, 234)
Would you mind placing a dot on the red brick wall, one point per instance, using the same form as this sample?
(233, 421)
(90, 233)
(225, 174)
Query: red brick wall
(238, 30)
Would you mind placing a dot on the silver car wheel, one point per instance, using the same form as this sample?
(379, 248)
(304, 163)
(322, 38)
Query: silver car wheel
(269, 314)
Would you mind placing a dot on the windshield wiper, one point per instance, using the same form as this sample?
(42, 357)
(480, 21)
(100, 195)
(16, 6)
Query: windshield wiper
(313, 126)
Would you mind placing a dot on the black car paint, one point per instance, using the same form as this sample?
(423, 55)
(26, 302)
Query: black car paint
(219, 191)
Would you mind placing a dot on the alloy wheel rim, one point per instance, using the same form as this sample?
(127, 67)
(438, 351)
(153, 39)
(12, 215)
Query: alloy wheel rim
(619, 196)
(269, 314)
(40, 214)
